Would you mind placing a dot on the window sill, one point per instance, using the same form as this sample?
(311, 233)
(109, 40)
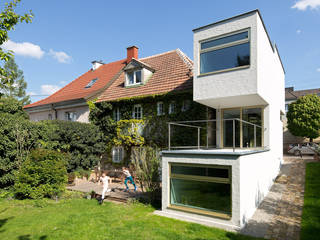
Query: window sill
(134, 85)
(224, 216)
(224, 70)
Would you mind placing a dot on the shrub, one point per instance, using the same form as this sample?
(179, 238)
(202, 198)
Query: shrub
(83, 141)
(43, 174)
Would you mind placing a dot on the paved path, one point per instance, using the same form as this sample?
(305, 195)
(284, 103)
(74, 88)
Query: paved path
(279, 215)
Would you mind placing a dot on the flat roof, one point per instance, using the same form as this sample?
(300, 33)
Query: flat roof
(237, 152)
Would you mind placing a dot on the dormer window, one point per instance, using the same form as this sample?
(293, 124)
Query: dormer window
(90, 84)
(134, 78)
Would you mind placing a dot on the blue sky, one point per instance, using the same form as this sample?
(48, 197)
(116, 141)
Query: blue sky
(65, 36)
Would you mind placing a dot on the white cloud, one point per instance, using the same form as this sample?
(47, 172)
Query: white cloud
(318, 69)
(298, 31)
(63, 82)
(31, 93)
(26, 49)
(305, 4)
(62, 57)
(48, 89)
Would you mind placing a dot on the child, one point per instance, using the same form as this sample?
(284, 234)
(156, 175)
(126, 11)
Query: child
(128, 177)
(105, 181)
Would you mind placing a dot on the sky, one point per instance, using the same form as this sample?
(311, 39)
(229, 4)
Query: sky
(65, 36)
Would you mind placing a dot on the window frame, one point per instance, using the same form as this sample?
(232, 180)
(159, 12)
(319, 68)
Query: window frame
(211, 212)
(172, 107)
(133, 111)
(160, 113)
(128, 84)
(116, 114)
(116, 150)
(222, 46)
(91, 83)
(68, 118)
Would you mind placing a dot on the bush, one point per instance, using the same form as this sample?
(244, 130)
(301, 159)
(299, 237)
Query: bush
(43, 174)
(83, 141)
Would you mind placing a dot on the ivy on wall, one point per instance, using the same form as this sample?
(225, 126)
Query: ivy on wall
(155, 127)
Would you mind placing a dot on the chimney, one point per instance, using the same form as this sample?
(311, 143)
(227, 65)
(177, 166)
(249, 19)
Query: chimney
(132, 52)
(96, 64)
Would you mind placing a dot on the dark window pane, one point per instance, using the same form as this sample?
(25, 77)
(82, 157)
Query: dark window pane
(252, 115)
(230, 57)
(130, 77)
(224, 40)
(228, 127)
(201, 195)
(200, 171)
(138, 77)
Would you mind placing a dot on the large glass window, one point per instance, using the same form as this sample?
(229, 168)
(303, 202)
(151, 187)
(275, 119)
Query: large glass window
(228, 116)
(205, 189)
(225, 53)
(251, 135)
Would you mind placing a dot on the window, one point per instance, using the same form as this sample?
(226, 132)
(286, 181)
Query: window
(287, 107)
(185, 105)
(248, 132)
(223, 53)
(117, 154)
(89, 85)
(201, 189)
(172, 107)
(160, 110)
(137, 111)
(116, 114)
(71, 116)
(49, 116)
(134, 78)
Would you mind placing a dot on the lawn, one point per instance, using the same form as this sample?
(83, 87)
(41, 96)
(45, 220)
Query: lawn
(85, 219)
(310, 225)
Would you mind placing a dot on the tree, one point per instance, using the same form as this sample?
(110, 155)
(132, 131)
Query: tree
(8, 20)
(18, 87)
(304, 117)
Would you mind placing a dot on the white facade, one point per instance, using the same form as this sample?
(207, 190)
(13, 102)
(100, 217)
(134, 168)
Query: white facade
(260, 85)
(60, 113)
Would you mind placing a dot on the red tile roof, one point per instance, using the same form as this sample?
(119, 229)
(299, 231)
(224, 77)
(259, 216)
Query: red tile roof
(173, 72)
(76, 89)
(292, 94)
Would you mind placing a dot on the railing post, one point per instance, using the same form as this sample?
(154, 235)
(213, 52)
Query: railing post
(198, 138)
(234, 134)
(255, 136)
(207, 135)
(169, 133)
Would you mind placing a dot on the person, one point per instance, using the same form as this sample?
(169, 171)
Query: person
(105, 181)
(128, 178)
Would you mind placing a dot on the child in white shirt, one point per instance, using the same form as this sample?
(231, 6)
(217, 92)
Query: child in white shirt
(105, 181)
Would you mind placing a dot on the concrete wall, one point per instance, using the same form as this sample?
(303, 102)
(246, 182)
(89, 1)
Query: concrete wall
(257, 173)
(82, 114)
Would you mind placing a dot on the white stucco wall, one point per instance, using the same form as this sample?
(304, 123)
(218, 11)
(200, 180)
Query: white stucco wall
(82, 114)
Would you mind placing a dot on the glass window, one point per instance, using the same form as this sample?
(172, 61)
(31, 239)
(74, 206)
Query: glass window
(137, 111)
(138, 76)
(224, 40)
(49, 116)
(225, 58)
(131, 78)
(71, 116)
(117, 154)
(197, 187)
(90, 84)
(116, 114)
(228, 116)
(160, 110)
(252, 115)
(172, 107)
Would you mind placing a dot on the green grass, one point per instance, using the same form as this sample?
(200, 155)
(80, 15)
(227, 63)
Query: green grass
(85, 219)
(310, 225)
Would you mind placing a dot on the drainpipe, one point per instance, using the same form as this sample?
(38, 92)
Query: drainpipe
(55, 112)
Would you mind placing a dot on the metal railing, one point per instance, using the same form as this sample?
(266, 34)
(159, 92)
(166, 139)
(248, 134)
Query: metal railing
(191, 124)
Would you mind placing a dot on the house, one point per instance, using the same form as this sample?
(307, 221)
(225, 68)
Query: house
(156, 89)
(70, 102)
(291, 96)
(238, 72)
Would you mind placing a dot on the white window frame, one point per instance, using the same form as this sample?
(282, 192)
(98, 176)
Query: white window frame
(135, 114)
(134, 78)
(160, 108)
(117, 154)
(172, 107)
(71, 116)
(117, 114)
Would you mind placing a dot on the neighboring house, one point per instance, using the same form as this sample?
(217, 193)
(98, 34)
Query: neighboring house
(70, 102)
(157, 89)
(238, 72)
(291, 96)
